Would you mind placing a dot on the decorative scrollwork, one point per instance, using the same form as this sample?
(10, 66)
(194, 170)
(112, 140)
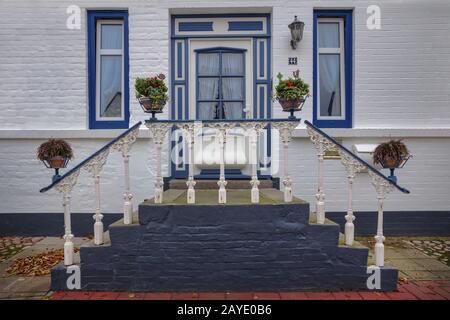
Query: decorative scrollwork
(352, 166)
(66, 185)
(321, 143)
(95, 165)
(285, 129)
(125, 143)
(382, 186)
(158, 130)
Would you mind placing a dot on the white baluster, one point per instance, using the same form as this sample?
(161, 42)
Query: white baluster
(254, 129)
(190, 133)
(352, 167)
(382, 187)
(222, 182)
(158, 131)
(127, 196)
(124, 146)
(322, 145)
(285, 129)
(94, 166)
(65, 187)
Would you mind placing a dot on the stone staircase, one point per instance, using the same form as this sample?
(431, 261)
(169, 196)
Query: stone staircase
(272, 246)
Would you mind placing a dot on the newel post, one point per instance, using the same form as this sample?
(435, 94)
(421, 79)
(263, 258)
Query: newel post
(382, 188)
(124, 146)
(65, 187)
(190, 131)
(158, 131)
(322, 145)
(352, 167)
(285, 129)
(94, 166)
(254, 130)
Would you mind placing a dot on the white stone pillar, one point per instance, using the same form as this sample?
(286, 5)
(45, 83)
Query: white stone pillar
(190, 134)
(254, 129)
(285, 129)
(322, 145)
(124, 146)
(352, 167)
(94, 166)
(382, 187)
(158, 130)
(65, 187)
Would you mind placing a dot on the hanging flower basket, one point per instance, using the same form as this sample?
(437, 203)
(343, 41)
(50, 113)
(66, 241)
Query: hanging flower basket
(295, 104)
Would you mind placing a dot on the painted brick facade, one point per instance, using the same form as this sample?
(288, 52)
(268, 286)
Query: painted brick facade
(401, 81)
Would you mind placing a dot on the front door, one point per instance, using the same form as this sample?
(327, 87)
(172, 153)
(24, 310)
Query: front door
(221, 75)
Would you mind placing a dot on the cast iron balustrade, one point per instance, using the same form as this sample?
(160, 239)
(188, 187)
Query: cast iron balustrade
(253, 127)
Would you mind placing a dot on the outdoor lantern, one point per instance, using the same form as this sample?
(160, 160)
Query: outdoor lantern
(296, 28)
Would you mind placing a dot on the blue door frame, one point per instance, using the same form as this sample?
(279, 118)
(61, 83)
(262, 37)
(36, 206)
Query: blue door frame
(260, 33)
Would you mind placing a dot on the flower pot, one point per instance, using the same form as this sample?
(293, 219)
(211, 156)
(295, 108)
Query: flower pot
(150, 105)
(57, 162)
(291, 104)
(390, 163)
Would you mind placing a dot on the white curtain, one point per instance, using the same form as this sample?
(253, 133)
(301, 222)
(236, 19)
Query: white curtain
(110, 86)
(233, 88)
(208, 88)
(111, 36)
(330, 104)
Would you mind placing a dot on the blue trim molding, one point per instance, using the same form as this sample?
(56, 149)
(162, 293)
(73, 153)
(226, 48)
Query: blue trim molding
(347, 15)
(195, 26)
(93, 16)
(245, 26)
(252, 26)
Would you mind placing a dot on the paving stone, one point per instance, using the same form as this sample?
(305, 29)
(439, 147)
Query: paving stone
(293, 296)
(212, 296)
(320, 295)
(239, 296)
(185, 296)
(347, 296)
(158, 296)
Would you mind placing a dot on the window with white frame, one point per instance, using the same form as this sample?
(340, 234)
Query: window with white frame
(332, 68)
(108, 69)
(109, 81)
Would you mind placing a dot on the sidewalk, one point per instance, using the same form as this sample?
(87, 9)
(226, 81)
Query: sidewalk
(424, 274)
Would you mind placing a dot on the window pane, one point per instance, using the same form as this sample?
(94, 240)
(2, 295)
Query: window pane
(208, 64)
(330, 89)
(233, 110)
(328, 35)
(209, 111)
(233, 88)
(233, 64)
(111, 86)
(111, 36)
(208, 88)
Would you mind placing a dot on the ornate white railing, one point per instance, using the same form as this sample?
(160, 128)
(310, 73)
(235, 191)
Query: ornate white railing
(159, 129)
(94, 165)
(253, 129)
(353, 165)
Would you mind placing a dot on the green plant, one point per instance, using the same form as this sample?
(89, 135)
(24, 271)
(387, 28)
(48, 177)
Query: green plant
(153, 88)
(54, 148)
(292, 88)
(393, 150)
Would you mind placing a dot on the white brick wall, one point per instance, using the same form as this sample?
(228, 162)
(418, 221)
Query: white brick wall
(401, 80)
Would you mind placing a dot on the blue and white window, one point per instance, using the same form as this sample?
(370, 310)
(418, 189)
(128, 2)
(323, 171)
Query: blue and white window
(108, 69)
(220, 83)
(332, 104)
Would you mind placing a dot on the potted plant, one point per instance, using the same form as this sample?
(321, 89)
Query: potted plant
(55, 153)
(291, 93)
(151, 93)
(391, 155)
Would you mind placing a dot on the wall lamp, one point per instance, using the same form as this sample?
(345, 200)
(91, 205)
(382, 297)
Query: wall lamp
(296, 28)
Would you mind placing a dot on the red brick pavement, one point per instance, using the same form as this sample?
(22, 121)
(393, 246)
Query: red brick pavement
(413, 290)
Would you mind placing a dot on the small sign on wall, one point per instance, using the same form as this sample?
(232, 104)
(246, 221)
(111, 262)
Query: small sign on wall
(292, 61)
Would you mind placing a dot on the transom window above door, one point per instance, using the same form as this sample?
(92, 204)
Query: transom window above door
(220, 77)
